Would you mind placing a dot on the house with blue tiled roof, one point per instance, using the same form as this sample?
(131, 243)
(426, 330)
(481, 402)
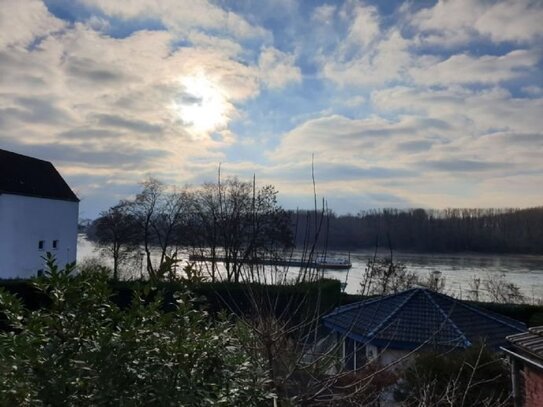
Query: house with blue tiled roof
(387, 329)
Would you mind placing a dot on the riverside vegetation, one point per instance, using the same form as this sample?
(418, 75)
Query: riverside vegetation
(82, 349)
(89, 339)
(85, 343)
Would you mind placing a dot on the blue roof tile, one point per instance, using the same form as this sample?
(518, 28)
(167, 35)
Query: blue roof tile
(420, 317)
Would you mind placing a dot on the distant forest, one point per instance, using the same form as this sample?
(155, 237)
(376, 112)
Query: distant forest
(429, 230)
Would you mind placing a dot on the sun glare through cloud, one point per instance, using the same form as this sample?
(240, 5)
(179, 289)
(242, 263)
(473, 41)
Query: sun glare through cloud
(202, 105)
(403, 104)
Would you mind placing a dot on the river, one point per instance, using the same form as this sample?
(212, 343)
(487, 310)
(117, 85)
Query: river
(526, 271)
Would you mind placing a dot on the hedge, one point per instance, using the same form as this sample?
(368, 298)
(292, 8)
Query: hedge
(293, 301)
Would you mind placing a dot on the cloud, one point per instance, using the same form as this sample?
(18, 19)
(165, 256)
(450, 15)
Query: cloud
(108, 120)
(340, 139)
(453, 22)
(179, 18)
(368, 58)
(467, 69)
(464, 109)
(23, 25)
(465, 165)
(85, 99)
(407, 104)
(364, 28)
(278, 68)
(414, 146)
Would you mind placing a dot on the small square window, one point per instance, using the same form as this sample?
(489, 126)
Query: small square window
(40, 272)
(41, 244)
(55, 244)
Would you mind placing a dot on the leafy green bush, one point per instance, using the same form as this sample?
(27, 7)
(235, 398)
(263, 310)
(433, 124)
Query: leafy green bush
(82, 349)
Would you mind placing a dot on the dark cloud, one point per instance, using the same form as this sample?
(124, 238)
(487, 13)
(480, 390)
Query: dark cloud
(86, 69)
(116, 156)
(522, 138)
(414, 146)
(88, 133)
(330, 172)
(33, 110)
(186, 98)
(465, 165)
(134, 125)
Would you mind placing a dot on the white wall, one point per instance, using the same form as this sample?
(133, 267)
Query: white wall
(24, 221)
(388, 357)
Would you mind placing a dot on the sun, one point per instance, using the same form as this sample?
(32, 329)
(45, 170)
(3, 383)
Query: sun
(202, 105)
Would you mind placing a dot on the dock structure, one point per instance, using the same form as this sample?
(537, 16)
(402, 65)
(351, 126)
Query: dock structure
(319, 264)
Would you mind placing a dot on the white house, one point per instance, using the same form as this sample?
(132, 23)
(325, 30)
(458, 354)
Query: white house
(38, 214)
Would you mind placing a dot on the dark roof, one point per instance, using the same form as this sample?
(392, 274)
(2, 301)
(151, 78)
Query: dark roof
(418, 317)
(530, 342)
(22, 175)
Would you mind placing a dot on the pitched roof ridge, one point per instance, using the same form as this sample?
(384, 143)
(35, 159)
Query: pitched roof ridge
(447, 316)
(394, 312)
(369, 301)
(484, 313)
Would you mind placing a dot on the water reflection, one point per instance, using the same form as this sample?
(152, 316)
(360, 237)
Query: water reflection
(459, 270)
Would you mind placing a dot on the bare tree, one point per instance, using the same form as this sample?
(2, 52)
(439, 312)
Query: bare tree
(473, 377)
(500, 290)
(145, 208)
(383, 276)
(161, 213)
(116, 233)
(236, 222)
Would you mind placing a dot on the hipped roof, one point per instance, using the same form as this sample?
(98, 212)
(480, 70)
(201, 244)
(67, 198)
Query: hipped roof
(421, 317)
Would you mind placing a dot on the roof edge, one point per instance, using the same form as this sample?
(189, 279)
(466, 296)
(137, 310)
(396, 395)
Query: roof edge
(504, 320)
(76, 199)
(389, 343)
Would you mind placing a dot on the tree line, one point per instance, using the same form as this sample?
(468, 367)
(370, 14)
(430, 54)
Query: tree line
(433, 230)
(237, 221)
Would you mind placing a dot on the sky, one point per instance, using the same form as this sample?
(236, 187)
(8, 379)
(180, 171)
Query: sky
(399, 103)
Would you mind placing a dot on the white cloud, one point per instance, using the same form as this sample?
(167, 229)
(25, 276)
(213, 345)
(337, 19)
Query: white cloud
(454, 22)
(512, 20)
(121, 108)
(278, 68)
(468, 110)
(364, 26)
(22, 23)
(338, 139)
(95, 103)
(466, 69)
(180, 18)
(324, 14)
(385, 60)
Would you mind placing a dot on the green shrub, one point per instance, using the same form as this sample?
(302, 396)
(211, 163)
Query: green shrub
(82, 349)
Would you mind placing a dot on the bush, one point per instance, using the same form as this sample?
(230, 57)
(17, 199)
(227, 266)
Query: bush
(474, 377)
(83, 349)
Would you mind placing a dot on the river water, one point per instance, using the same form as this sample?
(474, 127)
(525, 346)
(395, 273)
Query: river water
(526, 271)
